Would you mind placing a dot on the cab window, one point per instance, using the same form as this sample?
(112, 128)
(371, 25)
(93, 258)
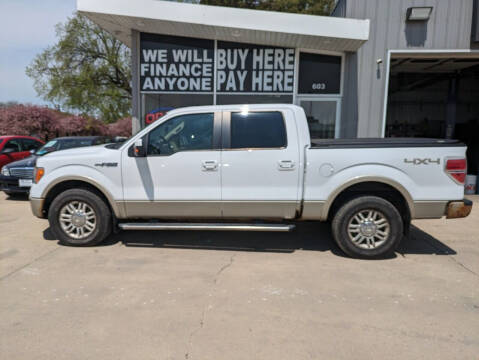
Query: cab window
(13, 144)
(260, 130)
(30, 144)
(182, 133)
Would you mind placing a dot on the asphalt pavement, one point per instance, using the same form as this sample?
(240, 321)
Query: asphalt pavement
(227, 295)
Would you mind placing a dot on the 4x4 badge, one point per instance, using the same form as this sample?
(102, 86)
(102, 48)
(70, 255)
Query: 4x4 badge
(418, 161)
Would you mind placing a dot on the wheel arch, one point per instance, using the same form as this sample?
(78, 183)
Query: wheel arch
(69, 182)
(371, 185)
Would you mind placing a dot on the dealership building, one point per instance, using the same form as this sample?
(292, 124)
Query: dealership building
(374, 68)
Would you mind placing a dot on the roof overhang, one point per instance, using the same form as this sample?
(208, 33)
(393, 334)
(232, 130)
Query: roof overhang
(120, 17)
(435, 54)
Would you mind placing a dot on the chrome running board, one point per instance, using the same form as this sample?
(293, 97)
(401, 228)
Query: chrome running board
(206, 226)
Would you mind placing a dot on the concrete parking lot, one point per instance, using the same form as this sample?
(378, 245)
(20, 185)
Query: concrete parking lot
(205, 295)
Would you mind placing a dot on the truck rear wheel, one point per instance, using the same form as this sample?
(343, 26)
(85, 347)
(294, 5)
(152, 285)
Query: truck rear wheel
(79, 217)
(367, 227)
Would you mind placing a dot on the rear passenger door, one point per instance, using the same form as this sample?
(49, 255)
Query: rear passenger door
(260, 164)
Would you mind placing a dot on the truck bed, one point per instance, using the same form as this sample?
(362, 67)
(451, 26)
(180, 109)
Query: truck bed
(383, 143)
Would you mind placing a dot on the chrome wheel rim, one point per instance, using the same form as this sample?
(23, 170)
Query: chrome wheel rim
(77, 219)
(368, 229)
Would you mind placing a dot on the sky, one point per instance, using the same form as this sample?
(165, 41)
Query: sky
(26, 28)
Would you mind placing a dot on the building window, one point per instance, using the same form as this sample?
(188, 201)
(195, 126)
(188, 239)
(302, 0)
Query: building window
(319, 74)
(252, 68)
(173, 63)
(179, 71)
(321, 116)
(156, 105)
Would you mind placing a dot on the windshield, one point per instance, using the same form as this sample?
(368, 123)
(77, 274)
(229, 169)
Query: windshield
(118, 143)
(63, 144)
(48, 147)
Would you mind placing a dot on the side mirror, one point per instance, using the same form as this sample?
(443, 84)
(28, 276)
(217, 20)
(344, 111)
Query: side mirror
(32, 151)
(139, 149)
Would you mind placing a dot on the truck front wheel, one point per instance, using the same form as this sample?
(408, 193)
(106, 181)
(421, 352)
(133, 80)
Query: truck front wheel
(79, 217)
(367, 227)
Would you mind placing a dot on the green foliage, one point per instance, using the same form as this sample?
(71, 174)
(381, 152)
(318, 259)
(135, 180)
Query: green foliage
(87, 70)
(313, 7)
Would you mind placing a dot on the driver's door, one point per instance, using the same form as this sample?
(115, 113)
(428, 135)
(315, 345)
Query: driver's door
(180, 175)
(14, 152)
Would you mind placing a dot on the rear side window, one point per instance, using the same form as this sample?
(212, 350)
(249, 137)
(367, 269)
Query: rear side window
(30, 144)
(13, 144)
(257, 130)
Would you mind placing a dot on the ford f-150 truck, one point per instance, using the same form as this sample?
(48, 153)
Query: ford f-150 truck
(250, 168)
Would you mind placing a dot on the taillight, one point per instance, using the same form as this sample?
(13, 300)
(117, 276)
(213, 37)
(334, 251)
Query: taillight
(457, 169)
(38, 174)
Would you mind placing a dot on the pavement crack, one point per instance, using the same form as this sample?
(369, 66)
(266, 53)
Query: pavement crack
(224, 267)
(206, 307)
(463, 266)
(28, 264)
(192, 334)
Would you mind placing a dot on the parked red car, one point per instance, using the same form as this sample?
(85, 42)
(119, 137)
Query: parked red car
(13, 148)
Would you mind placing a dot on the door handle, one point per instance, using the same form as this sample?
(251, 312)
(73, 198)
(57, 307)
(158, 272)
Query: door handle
(286, 165)
(210, 165)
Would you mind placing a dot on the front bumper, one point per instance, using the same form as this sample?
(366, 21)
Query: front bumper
(458, 209)
(10, 184)
(37, 207)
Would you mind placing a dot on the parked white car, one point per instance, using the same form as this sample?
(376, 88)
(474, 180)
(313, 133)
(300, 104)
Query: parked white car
(226, 167)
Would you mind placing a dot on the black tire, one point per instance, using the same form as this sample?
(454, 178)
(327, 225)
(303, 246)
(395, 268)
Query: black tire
(346, 216)
(103, 222)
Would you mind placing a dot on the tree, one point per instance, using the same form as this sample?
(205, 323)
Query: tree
(313, 7)
(87, 71)
(8, 104)
(120, 128)
(29, 120)
(46, 124)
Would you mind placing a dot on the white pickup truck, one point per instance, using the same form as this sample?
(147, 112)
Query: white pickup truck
(250, 168)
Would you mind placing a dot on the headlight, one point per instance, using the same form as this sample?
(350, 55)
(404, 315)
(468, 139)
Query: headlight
(38, 174)
(5, 171)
